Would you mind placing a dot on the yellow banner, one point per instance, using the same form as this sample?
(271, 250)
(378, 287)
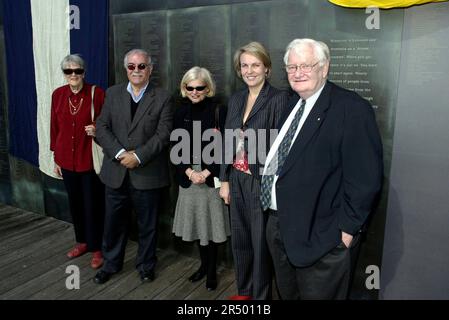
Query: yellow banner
(382, 4)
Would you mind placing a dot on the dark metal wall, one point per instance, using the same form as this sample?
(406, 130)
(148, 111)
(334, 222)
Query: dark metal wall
(415, 261)
(363, 60)
(380, 64)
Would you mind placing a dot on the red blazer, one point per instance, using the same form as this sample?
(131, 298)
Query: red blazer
(71, 145)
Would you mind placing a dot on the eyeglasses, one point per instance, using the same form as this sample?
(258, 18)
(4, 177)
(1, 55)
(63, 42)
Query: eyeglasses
(292, 68)
(77, 71)
(199, 88)
(140, 66)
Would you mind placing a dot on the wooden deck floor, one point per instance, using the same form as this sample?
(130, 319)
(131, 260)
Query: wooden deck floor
(33, 267)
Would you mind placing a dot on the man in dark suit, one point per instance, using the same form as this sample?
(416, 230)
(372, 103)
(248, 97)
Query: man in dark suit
(321, 178)
(134, 131)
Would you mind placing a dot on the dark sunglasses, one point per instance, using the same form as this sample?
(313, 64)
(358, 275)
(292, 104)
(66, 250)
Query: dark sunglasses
(76, 71)
(140, 66)
(199, 88)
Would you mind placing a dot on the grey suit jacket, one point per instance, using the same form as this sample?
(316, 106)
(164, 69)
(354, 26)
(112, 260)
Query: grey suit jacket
(148, 134)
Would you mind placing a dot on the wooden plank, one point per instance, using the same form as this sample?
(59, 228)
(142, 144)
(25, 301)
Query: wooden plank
(8, 212)
(22, 239)
(53, 278)
(14, 224)
(21, 229)
(175, 271)
(225, 278)
(231, 290)
(56, 278)
(132, 280)
(38, 249)
(179, 290)
(88, 288)
(32, 267)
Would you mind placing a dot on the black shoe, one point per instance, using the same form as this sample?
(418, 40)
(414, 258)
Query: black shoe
(211, 285)
(147, 276)
(197, 276)
(102, 277)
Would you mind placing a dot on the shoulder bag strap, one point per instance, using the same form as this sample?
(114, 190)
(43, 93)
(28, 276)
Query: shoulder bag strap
(92, 109)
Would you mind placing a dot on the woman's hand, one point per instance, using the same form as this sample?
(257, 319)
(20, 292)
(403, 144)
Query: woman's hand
(90, 130)
(197, 178)
(224, 192)
(205, 173)
(57, 171)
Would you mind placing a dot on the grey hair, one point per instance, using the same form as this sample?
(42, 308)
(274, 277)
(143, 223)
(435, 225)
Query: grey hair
(320, 49)
(136, 51)
(72, 58)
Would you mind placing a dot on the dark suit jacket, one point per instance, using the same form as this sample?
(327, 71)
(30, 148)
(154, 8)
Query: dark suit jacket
(206, 113)
(265, 114)
(331, 176)
(148, 134)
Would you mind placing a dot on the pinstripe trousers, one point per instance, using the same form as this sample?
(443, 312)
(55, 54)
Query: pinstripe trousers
(252, 260)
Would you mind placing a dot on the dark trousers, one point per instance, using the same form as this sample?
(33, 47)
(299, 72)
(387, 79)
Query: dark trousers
(326, 279)
(252, 260)
(119, 203)
(86, 201)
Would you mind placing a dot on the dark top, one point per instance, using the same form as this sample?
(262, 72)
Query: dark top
(331, 176)
(134, 106)
(71, 145)
(210, 115)
(264, 115)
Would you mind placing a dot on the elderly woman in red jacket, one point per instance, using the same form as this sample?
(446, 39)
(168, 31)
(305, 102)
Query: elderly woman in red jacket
(71, 133)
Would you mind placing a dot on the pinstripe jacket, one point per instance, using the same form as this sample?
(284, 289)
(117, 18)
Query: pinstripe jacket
(264, 115)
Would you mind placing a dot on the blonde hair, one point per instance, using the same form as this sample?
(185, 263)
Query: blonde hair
(255, 49)
(198, 73)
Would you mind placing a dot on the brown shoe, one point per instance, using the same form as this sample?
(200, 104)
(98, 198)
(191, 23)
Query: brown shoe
(97, 260)
(78, 250)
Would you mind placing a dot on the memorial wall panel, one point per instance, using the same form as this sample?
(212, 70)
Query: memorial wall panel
(201, 37)
(363, 59)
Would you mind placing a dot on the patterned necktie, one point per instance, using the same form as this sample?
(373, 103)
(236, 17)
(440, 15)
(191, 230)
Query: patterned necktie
(276, 163)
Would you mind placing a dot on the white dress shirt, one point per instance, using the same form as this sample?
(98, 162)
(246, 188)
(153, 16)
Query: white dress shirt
(310, 102)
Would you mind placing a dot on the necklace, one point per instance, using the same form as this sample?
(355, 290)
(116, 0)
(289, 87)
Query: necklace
(75, 108)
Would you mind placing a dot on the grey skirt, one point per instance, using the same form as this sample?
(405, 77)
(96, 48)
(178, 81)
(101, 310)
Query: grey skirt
(201, 215)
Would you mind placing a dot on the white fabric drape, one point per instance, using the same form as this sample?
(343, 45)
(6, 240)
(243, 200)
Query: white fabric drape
(51, 43)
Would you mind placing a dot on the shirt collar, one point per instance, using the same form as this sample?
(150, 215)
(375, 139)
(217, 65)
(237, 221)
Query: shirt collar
(314, 97)
(136, 98)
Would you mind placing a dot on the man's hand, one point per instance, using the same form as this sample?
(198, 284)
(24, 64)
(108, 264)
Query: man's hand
(346, 238)
(128, 160)
(224, 192)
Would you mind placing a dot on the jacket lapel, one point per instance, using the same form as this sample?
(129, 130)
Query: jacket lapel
(143, 107)
(125, 107)
(292, 101)
(260, 101)
(316, 117)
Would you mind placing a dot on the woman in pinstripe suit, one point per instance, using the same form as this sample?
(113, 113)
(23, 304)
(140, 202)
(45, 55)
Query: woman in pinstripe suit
(252, 109)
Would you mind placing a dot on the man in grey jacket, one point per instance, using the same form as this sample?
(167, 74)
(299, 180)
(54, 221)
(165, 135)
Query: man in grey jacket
(134, 131)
